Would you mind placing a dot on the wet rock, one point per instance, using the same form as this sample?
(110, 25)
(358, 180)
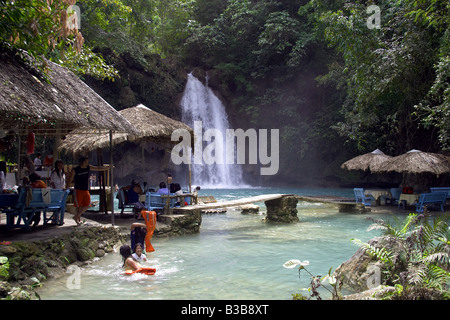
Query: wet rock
(180, 224)
(68, 254)
(100, 253)
(5, 288)
(362, 272)
(19, 294)
(283, 209)
(376, 293)
(250, 209)
(35, 265)
(85, 254)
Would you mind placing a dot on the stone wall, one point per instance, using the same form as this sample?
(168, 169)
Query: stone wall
(177, 224)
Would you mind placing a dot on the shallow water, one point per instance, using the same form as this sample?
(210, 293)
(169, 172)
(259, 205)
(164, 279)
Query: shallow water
(234, 256)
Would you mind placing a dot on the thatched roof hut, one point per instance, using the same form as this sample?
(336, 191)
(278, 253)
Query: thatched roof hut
(29, 103)
(152, 126)
(416, 161)
(367, 161)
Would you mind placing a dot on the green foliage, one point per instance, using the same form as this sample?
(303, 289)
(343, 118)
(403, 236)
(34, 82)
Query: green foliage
(137, 27)
(41, 28)
(419, 262)
(381, 254)
(4, 268)
(388, 71)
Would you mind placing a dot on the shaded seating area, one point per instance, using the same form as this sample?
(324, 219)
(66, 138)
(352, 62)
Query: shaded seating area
(394, 199)
(32, 202)
(153, 128)
(123, 201)
(156, 202)
(361, 197)
(441, 189)
(432, 199)
(51, 105)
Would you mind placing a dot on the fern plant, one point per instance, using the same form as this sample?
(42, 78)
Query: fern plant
(419, 262)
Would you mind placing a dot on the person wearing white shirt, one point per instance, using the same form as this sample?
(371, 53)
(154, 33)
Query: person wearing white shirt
(58, 177)
(138, 255)
(37, 162)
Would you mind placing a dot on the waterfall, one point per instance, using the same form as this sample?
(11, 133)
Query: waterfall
(199, 103)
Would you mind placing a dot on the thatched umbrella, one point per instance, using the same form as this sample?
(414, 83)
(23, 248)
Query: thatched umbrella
(416, 161)
(152, 126)
(366, 162)
(420, 169)
(30, 103)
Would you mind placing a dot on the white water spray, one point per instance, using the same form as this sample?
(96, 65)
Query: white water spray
(199, 103)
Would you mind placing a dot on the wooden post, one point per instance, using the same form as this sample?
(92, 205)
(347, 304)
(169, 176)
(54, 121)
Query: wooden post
(111, 170)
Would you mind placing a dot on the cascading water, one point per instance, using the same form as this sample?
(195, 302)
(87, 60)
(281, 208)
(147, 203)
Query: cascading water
(199, 103)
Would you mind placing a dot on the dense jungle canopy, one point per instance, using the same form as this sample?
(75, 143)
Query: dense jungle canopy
(338, 78)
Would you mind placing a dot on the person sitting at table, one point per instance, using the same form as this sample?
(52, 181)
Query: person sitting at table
(36, 181)
(177, 190)
(133, 191)
(163, 188)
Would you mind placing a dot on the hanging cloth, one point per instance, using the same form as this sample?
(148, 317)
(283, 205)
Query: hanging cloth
(150, 222)
(30, 143)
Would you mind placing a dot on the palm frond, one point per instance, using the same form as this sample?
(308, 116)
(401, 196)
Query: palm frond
(439, 257)
(381, 254)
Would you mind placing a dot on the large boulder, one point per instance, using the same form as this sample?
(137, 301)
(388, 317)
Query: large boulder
(362, 272)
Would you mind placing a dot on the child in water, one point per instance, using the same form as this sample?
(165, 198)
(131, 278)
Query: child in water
(138, 255)
(128, 262)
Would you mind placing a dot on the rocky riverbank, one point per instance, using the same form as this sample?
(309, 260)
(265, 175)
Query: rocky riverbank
(31, 258)
(26, 264)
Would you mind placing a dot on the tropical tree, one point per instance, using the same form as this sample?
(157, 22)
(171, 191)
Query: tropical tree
(388, 70)
(43, 29)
